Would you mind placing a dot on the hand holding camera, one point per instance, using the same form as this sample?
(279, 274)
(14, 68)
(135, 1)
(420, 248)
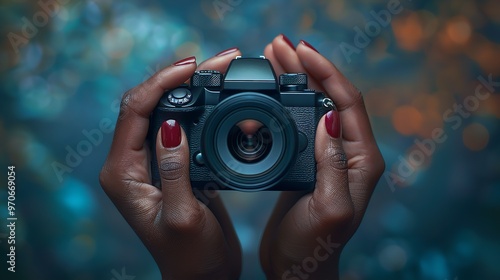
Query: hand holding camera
(247, 129)
(191, 240)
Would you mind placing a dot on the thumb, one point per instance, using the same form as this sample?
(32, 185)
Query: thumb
(172, 150)
(331, 197)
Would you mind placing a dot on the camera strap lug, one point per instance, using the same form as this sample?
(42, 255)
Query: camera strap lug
(328, 103)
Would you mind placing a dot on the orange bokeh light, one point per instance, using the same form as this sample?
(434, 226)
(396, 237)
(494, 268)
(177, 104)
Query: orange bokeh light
(408, 31)
(407, 120)
(459, 30)
(476, 137)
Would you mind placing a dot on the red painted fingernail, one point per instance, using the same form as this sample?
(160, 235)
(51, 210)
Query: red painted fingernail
(228, 51)
(332, 123)
(287, 41)
(170, 134)
(308, 45)
(186, 61)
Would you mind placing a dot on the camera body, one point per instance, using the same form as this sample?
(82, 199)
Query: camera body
(247, 130)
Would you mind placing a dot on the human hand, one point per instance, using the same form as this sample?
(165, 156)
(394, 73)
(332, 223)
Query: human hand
(307, 232)
(187, 239)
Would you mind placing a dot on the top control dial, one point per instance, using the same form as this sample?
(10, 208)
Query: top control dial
(293, 82)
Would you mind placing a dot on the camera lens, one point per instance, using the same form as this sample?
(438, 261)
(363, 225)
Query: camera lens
(249, 141)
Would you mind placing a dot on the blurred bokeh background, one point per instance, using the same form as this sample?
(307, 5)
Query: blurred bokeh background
(435, 213)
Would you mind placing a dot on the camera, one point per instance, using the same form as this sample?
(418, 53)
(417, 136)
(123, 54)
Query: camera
(247, 130)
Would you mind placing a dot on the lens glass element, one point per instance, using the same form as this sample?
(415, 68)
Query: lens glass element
(249, 141)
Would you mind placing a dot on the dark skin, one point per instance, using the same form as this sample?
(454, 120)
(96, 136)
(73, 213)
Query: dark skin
(191, 240)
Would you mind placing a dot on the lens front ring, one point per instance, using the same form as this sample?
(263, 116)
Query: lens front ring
(230, 170)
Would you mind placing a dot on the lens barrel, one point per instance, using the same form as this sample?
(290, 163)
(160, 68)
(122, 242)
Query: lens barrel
(249, 142)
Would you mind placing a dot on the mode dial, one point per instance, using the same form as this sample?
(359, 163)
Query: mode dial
(293, 82)
(206, 78)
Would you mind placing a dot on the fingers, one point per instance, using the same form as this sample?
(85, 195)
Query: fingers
(282, 53)
(360, 143)
(133, 121)
(269, 54)
(126, 171)
(220, 61)
(331, 198)
(347, 98)
(179, 203)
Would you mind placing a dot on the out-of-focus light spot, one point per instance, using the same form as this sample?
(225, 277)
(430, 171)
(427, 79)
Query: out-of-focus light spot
(336, 9)
(465, 245)
(492, 106)
(307, 20)
(159, 43)
(75, 252)
(408, 31)
(93, 13)
(396, 218)
(380, 102)
(83, 247)
(429, 106)
(76, 197)
(407, 120)
(476, 137)
(32, 56)
(117, 43)
(459, 30)
(66, 78)
(35, 154)
(187, 49)
(35, 100)
(185, 35)
(485, 53)
(393, 257)
(208, 9)
(433, 266)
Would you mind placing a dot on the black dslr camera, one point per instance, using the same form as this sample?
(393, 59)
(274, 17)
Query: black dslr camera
(247, 130)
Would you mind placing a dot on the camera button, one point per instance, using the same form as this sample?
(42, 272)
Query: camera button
(180, 96)
(198, 159)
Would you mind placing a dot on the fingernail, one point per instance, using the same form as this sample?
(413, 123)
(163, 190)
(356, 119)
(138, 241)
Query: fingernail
(186, 61)
(308, 45)
(228, 51)
(170, 134)
(287, 41)
(332, 123)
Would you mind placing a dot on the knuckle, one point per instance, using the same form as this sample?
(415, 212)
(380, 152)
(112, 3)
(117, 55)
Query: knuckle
(336, 212)
(171, 169)
(127, 103)
(336, 159)
(185, 220)
(124, 104)
(381, 166)
(378, 164)
(104, 177)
